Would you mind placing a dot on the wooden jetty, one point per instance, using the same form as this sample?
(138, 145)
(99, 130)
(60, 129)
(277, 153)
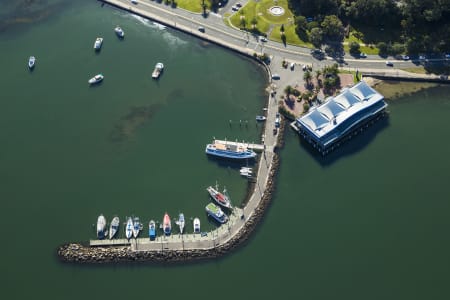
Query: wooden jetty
(251, 146)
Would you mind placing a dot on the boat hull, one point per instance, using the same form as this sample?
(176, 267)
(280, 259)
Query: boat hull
(152, 230)
(216, 213)
(129, 229)
(114, 227)
(167, 226)
(101, 227)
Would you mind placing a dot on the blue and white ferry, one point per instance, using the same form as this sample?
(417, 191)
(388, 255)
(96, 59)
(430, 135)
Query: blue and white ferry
(231, 150)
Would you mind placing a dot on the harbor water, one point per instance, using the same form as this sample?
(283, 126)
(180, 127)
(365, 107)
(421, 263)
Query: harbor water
(370, 221)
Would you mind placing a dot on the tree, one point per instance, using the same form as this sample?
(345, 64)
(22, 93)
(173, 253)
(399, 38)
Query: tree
(243, 22)
(254, 21)
(316, 37)
(354, 48)
(383, 48)
(332, 29)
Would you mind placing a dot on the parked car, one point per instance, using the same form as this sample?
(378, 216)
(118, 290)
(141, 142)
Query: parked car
(405, 57)
(292, 66)
(238, 4)
(201, 29)
(362, 55)
(234, 8)
(389, 63)
(275, 76)
(262, 39)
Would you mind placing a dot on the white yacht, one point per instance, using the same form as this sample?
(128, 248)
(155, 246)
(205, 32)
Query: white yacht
(98, 43)
(158, 70)
(119, 31)
(196, 225)
(96, 79)
(31, 62)
(129, 228)
(114, 227)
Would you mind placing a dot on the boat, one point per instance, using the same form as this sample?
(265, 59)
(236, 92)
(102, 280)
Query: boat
(246, 172)
(181, 222)
(160, 26)
(152, 230)
(196, 225)
(260, 118)
(101, 227)
(129, 228)
(159, 67)
(229, 150)
(96, 79)
(221, 198)
(114, 227)
(31, 62)
(119, 31)
(215, 212)
(167, 226)
(137, 226)
(98, 43)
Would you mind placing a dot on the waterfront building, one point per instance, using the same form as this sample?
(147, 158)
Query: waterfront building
(326, 125)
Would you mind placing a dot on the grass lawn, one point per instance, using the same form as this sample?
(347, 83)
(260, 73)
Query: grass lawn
(417, 70)
(260, 11)
(363, 48)
(194, 6)
(291, 37)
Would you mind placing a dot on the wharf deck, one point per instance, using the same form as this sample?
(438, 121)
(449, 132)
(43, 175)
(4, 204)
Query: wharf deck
(251, 146)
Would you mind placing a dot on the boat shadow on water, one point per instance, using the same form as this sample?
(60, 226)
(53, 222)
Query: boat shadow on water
(348, 147)
(232, 164)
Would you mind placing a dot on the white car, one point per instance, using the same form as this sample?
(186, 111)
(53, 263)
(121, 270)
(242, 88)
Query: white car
(362, 55)
(134, 1)
(389, 63)
(234, 8)
(262, 39)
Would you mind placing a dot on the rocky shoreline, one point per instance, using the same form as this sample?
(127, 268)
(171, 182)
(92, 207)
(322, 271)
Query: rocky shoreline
(79, 253)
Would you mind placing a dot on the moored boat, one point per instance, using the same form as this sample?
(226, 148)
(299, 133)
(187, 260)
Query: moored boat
(196, 225)
(230, 150)
(260, 118)
(114, 227)
(167, 225)
(119, 31)
(215, 212)
(137, 226)
(98, 43)
(96, 79)
(101, 227)
(129, 228)
(181, 222)
(31, 62)
(159, 67)
(221, 198)
(152, 230)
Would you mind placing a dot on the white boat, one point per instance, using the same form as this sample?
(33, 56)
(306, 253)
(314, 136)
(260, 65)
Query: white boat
(129, 228)
(221, 198)
(167, 225)
(98, 43)
(260, 118)
(114, 227)
(158, 70)
(137, 226)
(196, 225)
(31, 62)
(101, 226)
(119, 31)
(181, 222)
(96, 79)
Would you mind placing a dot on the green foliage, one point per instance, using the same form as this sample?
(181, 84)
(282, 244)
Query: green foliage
(354, 48)
(332, 29)
(316, 37)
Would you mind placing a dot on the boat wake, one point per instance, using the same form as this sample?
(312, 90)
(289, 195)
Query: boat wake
(169, 37)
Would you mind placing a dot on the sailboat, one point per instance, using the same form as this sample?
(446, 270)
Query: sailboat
(114, 227)
(101, 227)
(181, 222)
(136, 227)
(129, 228)
(221, 198)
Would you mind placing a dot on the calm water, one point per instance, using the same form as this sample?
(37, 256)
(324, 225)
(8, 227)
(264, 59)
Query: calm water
(369, 222)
